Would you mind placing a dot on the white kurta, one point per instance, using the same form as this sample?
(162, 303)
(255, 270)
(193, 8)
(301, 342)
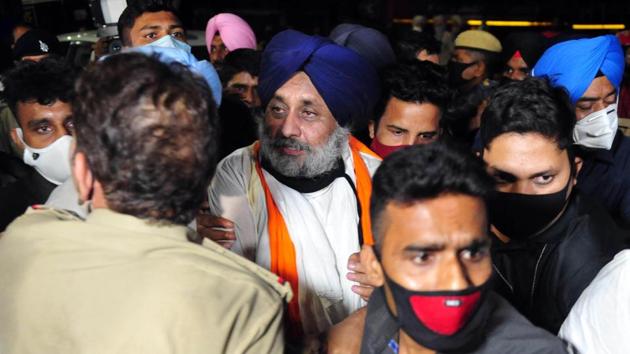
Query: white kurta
(323, 227)
(600, 319)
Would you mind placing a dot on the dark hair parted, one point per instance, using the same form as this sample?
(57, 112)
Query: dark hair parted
(148, 131)
(423, 172)
(46, 81)
(240, 60)
(529, 106)
(416, 82)
(135, 9)
(411, 43)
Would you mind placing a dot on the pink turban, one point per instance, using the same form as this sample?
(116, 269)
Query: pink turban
(234, 31)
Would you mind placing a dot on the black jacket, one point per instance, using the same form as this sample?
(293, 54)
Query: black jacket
(507, 332)
(544, 276)
(24, 187)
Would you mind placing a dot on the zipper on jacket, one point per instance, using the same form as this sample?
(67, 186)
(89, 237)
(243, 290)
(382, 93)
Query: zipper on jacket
(531, 298)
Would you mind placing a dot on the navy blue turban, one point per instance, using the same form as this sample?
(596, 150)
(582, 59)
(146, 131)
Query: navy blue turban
(574, 64)
(347, 82)
(370, 43)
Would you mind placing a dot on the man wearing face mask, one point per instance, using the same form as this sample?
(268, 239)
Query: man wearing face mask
(591, 71)
(153, 28)
(411, 105)
(38, 94)
(549, 240)
(434, 267)
(470, 71)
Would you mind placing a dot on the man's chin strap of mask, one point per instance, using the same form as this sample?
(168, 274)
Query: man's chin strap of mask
(52, 162)
(597, 130)
(445, 321)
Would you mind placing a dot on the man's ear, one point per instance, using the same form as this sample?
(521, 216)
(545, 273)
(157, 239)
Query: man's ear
(16, 139)
(371, 128)
(82, 175)
(373, 266)
(579, 162)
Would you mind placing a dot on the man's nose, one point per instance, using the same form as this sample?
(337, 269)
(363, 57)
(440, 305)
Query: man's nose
(453, 275)
(290, 126)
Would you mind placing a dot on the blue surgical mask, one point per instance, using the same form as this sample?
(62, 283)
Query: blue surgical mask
(169, 41)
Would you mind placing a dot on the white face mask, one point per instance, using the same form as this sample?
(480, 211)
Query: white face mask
(169, 41)
(53, 161)
(597, 130)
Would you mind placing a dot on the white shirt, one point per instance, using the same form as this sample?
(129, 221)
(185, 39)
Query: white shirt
(599, 322)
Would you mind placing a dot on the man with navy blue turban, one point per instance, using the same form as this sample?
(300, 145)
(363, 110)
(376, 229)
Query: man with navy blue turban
(297, 200)
(591, 71)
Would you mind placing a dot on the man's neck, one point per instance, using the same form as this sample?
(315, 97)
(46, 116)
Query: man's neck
(407, 345)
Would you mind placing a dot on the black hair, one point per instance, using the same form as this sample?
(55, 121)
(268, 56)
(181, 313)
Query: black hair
(45, 82)
(413, 42)
(529, 106)
(239, 60)
(423, 172)
(148, 130)
(416, 82)
(135, 9)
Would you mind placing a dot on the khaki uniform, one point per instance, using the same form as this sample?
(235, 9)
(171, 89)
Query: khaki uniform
(118, 284)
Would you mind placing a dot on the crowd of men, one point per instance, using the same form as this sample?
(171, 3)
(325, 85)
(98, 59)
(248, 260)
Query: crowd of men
(357, 193)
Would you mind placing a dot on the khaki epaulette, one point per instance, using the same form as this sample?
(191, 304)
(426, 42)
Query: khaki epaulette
(60, 214)
(281, 286)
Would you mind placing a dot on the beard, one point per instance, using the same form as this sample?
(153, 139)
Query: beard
(315, 161)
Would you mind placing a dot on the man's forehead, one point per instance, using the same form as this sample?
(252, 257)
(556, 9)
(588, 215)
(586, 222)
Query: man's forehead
(157, 19)
(299, 87)
(599, 88)
(524, 154)
(447, 220)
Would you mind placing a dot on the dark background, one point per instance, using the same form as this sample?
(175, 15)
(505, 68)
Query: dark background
(320, 16)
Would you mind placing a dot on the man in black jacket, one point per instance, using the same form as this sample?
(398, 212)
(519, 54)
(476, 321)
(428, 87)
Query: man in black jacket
(550, 241)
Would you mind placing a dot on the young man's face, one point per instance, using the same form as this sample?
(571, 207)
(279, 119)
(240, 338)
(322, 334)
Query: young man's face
(599, 95)
(466, 57)
(218, 50)
(42, 125)
(439, 244)
(527, 164)
(246, 86)
(151, 26)
(407, 123)
(516, 69)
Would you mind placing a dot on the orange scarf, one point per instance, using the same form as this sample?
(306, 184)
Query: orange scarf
(281, 247)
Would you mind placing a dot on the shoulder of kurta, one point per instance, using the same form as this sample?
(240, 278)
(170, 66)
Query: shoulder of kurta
(279, 285)
(371, 162)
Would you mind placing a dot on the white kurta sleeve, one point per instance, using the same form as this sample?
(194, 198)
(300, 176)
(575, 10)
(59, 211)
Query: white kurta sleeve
(228, 198)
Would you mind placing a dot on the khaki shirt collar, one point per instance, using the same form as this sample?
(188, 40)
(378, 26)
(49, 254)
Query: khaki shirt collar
(111, 219)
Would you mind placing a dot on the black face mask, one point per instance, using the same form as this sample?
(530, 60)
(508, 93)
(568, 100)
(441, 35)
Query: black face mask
(519, 216)
(455, 71)
(445, 321)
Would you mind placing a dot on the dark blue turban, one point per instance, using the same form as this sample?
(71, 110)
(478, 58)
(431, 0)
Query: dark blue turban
(370, 43)
(574, 64)
(346, 81)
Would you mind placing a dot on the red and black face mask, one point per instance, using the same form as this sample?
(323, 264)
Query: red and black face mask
(445, 321)
(384, 150)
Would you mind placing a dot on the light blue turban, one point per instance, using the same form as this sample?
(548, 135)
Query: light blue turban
(574, 64)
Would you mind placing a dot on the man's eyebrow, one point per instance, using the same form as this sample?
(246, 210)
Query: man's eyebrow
(35, 122)
(278, 98)
(393, 126)
(150, 27)
(507, 176)
(477, 243)
(430, 247)
(238, 85)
